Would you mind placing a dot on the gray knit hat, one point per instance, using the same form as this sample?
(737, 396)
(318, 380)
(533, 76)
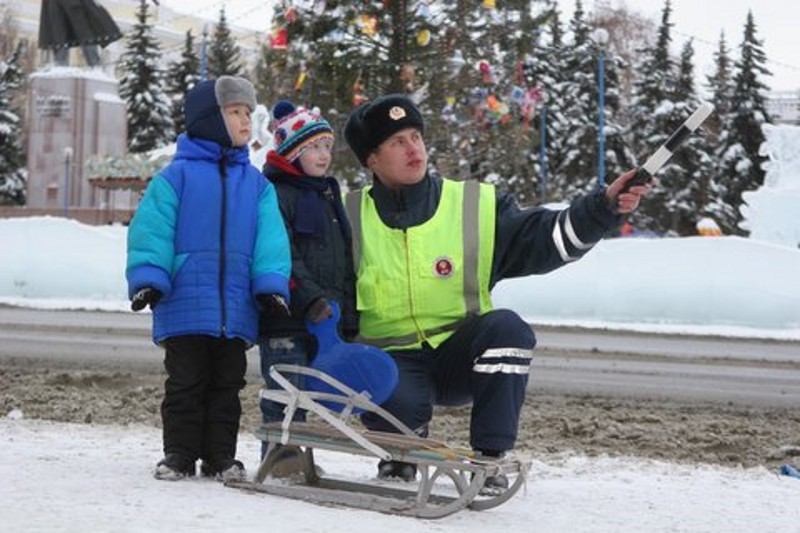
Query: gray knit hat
(204, 103)
(235, 90)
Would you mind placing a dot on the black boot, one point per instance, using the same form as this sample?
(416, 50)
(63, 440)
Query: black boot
(396, 470)
(174, 467)
(224, 470)
(497, 484)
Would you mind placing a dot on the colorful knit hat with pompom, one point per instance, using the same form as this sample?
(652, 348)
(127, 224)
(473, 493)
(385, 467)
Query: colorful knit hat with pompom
(296, 128)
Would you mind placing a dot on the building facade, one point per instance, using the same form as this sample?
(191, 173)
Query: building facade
(784, 107)
(74, 113)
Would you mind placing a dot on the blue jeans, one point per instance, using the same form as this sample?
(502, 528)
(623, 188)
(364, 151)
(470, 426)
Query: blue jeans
(281, 350)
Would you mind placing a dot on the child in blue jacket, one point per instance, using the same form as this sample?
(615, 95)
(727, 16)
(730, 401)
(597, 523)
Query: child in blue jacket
(206, 249)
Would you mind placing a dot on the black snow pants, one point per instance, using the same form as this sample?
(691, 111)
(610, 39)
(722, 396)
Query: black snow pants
(201, 408)
(486, 361)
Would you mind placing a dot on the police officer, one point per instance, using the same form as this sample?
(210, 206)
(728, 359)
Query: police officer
(428, 251)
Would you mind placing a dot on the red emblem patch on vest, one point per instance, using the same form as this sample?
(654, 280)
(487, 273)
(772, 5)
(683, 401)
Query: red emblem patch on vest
(443, 267)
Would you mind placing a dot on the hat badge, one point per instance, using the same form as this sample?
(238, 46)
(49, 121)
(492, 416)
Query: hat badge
(397, 112)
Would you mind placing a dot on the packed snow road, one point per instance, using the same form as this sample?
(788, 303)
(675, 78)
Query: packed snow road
(731, 402)
(567, 360)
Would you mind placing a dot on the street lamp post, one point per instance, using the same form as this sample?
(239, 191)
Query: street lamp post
(600, 37)
(203, 53)
(543, 153)
(67, 178)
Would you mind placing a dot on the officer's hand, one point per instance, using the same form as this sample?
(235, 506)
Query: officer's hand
(625, 201)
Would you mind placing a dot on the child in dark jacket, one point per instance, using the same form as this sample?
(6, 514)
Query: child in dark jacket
(206, 249)
(322, 264)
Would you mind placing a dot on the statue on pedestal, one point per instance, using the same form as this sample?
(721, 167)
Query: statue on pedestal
(65, 24)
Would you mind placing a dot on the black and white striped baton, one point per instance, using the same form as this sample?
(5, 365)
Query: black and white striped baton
(654, 163)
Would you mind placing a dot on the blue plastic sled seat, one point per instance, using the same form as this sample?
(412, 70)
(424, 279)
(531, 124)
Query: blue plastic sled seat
(362, 368)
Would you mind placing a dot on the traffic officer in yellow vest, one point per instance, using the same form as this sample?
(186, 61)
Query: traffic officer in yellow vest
(428, 251)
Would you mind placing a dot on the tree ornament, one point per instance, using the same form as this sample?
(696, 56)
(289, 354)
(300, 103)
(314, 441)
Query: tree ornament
(301, 78)
(368, 24)
(423, 37)
(279, 39)
(456, 63)
(486, 71)
(408, 77)
(516, 94)
(358, 98)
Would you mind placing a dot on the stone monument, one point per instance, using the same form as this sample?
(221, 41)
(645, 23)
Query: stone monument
(75, 113)
(65, 24)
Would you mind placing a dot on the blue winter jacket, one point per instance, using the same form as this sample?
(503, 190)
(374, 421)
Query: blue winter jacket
(210, 241)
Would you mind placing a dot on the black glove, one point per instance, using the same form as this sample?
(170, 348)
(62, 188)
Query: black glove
(274, 305)
(350, 334)
(145, 296)
(318, 311)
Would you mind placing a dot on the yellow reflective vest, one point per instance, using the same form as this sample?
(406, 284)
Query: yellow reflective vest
(417, 285)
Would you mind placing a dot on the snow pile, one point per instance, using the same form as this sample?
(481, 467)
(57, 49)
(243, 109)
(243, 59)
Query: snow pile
(772, 212)
(708, 281)
(49, 257)
(712, 283)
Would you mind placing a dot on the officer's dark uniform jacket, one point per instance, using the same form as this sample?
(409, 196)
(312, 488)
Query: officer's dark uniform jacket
(527, 241)
(322, 265)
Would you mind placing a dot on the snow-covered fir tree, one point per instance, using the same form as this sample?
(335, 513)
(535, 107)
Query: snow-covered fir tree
(270, 73)
(740, 164)
(654, 117)
(224, 56)
(466, 65)
(181, 76)
(691, 167)
(329, 55)
(462, 62)
(720, 87)
(502, 98)
(546, 64)
(579, 169)
(13, 174)
(148, 111)
(579, 132)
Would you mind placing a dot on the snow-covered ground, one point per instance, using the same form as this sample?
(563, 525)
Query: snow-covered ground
(77, 478)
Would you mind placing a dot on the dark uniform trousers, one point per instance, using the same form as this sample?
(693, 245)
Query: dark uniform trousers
(486, 361)
(201, 407)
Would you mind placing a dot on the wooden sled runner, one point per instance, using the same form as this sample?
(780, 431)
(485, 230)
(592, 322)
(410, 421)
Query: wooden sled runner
(450, 479)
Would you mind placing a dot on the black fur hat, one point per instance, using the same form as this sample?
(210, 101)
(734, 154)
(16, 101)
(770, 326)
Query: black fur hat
(373, 122)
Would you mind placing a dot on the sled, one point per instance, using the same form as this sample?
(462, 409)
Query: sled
(449, 479)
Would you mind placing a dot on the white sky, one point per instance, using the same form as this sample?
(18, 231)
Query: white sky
(703, 20)
(777, 24)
